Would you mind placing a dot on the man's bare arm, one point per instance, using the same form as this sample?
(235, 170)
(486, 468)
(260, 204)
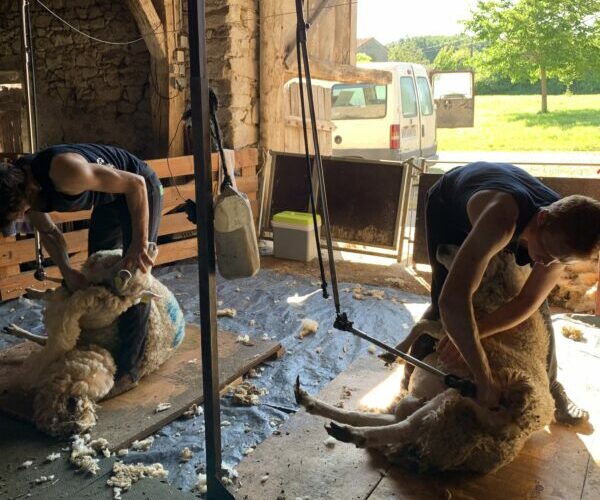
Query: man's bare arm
(56, 246)
(71, 174)
(535, 290)
(52, 239)
(491, 231)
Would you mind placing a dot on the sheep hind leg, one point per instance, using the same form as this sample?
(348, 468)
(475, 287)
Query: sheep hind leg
(354, 418)
(374, 436)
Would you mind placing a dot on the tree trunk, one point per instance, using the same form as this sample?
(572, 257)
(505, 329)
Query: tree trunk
(544, 84)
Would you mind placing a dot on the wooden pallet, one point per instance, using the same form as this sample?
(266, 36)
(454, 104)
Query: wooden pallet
(132, 415)
(17, 255)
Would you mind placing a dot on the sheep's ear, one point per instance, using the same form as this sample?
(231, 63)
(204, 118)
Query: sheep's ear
(122, 279)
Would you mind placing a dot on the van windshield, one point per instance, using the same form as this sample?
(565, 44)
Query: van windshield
(358, 100)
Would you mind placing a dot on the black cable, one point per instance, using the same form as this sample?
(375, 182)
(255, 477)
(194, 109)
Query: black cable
(309, 170)
(215, 130)
(301, 35)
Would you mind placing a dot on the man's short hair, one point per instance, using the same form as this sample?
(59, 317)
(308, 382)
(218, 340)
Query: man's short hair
(578, 218)
(13, 183)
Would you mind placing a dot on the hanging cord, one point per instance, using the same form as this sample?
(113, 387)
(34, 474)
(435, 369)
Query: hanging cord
(215, 130)
(301, 35)
(309, 171)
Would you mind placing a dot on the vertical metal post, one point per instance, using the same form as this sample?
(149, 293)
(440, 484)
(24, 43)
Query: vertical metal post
(206, 248)
(28, 76)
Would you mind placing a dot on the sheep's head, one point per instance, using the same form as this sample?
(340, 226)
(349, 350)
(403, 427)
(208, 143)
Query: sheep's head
(502, 280)
(104, 268)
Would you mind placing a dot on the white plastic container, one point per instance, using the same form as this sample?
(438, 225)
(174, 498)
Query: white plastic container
(294, 236)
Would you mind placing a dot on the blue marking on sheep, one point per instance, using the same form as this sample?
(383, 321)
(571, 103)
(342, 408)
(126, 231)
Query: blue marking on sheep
(176, 317)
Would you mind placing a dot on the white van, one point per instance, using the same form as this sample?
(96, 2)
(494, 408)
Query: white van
(385, 122)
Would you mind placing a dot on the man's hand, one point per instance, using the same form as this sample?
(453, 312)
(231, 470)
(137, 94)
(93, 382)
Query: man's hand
(449, 355)
(137, 257)
(75, 280)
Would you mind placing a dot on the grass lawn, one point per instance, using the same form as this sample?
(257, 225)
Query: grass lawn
(514, 123)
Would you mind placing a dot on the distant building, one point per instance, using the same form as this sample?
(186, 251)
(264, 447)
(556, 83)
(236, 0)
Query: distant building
(375, 50)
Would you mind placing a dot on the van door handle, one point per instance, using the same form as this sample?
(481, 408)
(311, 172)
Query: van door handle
(422, 130)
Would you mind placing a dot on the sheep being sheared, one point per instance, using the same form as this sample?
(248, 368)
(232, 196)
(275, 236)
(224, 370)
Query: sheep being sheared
(435, 428)
(76, 367)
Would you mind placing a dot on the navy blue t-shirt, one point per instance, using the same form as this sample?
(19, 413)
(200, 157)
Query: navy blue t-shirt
(456, 187)
(109, 156)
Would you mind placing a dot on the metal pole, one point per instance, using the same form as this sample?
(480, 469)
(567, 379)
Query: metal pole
(28, 76)
(206, 249)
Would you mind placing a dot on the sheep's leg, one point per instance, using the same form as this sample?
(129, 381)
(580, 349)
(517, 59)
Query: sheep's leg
(355, 418)
(369, 437)
(17, 331)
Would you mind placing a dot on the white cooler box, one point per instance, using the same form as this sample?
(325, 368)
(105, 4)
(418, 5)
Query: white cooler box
(294, 236)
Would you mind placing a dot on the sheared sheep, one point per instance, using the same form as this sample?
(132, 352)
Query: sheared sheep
(435, 428)
(76, 367)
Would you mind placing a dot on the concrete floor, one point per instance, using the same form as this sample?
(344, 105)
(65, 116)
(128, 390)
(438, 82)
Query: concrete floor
(20, 441)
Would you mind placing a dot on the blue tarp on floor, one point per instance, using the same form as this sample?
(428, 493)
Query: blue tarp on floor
(262, 308)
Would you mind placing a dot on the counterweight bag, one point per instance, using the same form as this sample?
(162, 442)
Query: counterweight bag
(235, 236)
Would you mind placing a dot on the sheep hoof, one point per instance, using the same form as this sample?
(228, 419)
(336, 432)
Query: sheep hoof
(345, 434)
(300, 394)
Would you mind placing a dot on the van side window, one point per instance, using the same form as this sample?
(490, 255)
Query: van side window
(358, 101)
(408, 97)
(424, 96)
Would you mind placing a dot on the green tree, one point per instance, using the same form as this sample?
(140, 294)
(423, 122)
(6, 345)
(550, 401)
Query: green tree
(450, 59)
(406, 51)
(538, 39)
(362, 57)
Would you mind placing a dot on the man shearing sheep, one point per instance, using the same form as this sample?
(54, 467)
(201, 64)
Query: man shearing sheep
(485, 208)
(126, 198)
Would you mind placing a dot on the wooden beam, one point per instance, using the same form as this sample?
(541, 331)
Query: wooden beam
(346, 73)
(150, 26)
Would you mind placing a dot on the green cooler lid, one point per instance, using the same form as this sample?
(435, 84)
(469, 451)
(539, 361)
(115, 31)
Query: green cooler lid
(295, 218)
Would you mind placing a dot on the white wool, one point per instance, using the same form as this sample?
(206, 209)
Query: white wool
(200, 485)
(124, 476)
(162, 407)
(230, 312)
(83, 451)
(123, 452)
(44, 479)
(309, 326)
(248, 451)
(143, 445)
(265, 478)
(186, 455)
(372, 349)
(26, 464)
(243, 339)
(52, 457)
(330, 442)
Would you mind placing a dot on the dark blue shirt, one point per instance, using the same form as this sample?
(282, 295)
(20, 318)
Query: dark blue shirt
(109, 156)
(456, 187)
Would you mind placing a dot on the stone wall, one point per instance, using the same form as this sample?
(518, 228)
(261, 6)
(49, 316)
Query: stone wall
(232, 53)
(90, 91)
(86, 91)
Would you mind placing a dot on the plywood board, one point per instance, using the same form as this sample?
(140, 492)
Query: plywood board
(298, 462)
(131, 416)
(558, 462)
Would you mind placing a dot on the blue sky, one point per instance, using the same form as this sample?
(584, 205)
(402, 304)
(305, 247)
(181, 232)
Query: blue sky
(390, 20)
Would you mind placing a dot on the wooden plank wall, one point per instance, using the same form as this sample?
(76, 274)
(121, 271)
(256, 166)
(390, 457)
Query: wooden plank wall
(294, 136)
(18, 254)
